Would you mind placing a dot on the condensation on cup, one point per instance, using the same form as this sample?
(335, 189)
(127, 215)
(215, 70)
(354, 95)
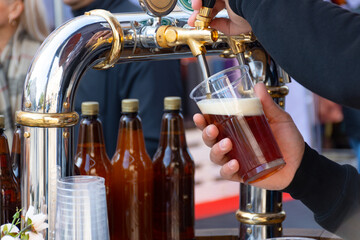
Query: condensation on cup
(227, 99)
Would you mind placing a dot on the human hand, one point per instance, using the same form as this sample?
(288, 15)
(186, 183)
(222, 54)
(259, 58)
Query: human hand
(288, 137)
(233, 25)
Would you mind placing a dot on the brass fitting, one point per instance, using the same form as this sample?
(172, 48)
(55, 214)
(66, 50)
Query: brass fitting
(169, 36)
(260, 218)
(237, 43)
(203, 18)
(278, 92)
(117, 39)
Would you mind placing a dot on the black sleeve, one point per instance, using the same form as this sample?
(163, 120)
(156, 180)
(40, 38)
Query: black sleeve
(331, 191)
(316, 42)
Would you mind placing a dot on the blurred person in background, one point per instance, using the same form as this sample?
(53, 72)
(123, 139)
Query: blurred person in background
(22, 30)
(149, 82)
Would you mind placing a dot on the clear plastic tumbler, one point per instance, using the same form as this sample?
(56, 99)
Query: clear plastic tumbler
(227, 99)
(81, 212)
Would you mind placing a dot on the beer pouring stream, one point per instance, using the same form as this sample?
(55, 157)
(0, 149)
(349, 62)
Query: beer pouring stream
(203, 20)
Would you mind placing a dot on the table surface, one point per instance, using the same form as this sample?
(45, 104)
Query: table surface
(232, 234)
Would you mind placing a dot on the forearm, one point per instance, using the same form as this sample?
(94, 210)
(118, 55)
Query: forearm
(330, 190)
(316, 42)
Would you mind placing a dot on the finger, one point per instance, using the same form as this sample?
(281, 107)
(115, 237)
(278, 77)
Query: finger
(192, 18)
(210, 134)
(271, 109)
(228, 27)
(221, 24)
(219, 150)
(199, 121)
(196, 4)
(229, 170)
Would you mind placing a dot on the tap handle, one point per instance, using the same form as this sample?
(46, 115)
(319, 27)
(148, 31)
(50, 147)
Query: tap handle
(203, 19)
(208, 3)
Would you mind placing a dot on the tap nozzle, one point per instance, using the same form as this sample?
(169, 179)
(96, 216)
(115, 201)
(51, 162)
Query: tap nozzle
(237, 43)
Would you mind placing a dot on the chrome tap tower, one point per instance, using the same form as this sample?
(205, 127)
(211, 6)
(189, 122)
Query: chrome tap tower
(100, 39)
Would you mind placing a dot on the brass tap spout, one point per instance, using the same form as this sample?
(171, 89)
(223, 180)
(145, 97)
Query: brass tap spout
(237, 43)
(169, 36)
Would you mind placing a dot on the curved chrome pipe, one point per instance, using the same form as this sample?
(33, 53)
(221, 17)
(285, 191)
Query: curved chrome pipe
(70, 49)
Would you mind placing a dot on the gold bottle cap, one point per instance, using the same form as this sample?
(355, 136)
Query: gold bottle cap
(2, 121)
(130, 105)
(89, 108)
(172, 103)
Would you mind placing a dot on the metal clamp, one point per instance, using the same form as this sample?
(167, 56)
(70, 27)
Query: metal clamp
(117, 41)
(169, 36)
(260, 218)
(278, 92)
(237, 43)
(47, 120)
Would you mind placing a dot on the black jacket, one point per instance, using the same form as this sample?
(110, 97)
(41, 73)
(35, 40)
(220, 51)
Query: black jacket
(149, 82)
(317, 43)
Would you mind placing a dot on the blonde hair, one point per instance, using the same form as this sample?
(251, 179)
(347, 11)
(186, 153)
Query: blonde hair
(33, 19)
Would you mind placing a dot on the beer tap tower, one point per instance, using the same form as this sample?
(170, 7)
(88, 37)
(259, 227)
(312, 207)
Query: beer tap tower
(99, 40)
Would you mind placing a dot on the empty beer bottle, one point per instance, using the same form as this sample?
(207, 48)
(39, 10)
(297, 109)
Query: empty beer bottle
(10, 190)
(91, 157)
(173, 169)
(131, 178)
(16, 153)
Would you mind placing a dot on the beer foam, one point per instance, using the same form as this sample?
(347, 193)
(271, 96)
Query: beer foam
(231, 106)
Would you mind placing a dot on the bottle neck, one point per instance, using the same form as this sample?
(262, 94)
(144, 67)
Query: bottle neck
(130, 136)
(5, 163)
(172, 130)
(16, 143)
(91, 135)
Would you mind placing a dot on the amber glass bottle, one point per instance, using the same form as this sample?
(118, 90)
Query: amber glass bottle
(15, 153)
(173, 168)
(10, 190)
(91, 157)
(131, 178)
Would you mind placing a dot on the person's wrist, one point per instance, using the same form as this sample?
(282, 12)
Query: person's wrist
(295, 165)
(301, 177)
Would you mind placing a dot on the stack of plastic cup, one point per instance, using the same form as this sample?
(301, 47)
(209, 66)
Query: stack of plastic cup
(81, 212)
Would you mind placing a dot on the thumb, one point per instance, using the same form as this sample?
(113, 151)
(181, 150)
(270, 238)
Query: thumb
(271, 110)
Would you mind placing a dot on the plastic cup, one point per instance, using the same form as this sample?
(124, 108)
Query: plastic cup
(227, 99)
(81, 212)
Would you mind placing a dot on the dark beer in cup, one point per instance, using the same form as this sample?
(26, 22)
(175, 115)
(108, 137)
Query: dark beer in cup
(242, 121)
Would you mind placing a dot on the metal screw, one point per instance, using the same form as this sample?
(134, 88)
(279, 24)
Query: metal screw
(280, 205)
(66, 105)
(248, 206)
(28, 104)
(66, 134)
(280, 229)
(249, 231)
(26, 134)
